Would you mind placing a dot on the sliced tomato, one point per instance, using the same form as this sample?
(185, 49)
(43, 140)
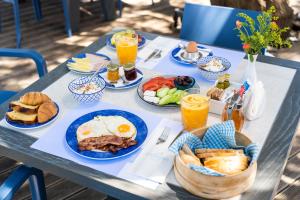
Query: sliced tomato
(151, 86)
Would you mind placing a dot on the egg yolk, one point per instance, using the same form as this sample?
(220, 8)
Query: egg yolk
(123, 128)
(86, 132)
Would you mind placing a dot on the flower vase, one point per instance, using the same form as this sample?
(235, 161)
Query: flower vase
(250, 73)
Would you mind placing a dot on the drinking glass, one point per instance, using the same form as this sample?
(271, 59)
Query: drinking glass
(127, 47)
(194, 109)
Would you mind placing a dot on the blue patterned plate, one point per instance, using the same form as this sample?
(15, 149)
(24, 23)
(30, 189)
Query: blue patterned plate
(110, 45)
(179, 59)
(31, 126)
(120, 85)
(141, 135)
(83, 55)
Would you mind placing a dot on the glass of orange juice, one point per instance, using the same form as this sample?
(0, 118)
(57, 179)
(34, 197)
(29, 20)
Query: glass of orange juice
(194, 109)
(127, 47)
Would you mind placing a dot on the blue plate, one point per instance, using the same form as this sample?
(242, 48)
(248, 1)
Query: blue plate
(177, 58)
(30, 126)
(141, 135)
(110, 45)
(83, 55)
(120, 85)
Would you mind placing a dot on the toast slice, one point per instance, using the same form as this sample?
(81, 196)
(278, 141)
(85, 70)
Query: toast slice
(21, 117)
(23, 108)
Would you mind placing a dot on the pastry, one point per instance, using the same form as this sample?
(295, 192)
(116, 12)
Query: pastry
(188, 159)
(23, 108)
(46, 111)
(206, 153)
(21, 117)
(228, 165)
(34, 98)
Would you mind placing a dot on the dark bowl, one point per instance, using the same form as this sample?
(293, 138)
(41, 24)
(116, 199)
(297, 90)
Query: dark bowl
(184, 87)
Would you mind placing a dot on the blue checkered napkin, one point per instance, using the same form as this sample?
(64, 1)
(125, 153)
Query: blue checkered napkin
(218, 136)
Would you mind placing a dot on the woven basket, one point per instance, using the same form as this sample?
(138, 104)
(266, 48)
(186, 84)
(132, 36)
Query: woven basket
(215, 187)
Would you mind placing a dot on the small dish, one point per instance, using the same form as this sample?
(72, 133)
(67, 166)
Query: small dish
(141, 43)
(122, 83)
(84, 93)
(86, 55)
(213, 75)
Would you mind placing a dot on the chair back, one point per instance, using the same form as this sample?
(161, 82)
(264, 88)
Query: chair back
(27, 53)
(213, 25)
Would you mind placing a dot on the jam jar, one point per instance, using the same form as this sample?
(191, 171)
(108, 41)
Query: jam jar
(130, 71)
(113, 72)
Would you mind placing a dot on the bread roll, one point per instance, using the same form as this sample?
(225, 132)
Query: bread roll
(46, 111)
(34, 98)
(23, 108)
(21, 118)
(206, 153)
(188, 159)
(227, 165)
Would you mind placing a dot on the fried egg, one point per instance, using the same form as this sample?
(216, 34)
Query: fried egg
(120, 126)
(92, 128)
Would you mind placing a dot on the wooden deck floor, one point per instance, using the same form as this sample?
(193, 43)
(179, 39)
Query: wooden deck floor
(49, 38)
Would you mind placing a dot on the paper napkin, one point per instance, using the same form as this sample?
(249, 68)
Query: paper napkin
(155, 160)
(162, 43)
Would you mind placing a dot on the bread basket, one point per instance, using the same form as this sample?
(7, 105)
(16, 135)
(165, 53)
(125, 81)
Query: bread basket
(215, 187)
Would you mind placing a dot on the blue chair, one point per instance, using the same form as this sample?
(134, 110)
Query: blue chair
(212, 25)
(36, 181)
(23, 53)
(16, 10)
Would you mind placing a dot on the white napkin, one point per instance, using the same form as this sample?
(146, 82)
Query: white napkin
(255, 105)
(161, 43)
(155, 161)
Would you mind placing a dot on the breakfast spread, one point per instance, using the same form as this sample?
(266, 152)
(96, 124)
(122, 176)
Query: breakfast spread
(31, 108)
(166, 90)
(89, 63)
(106, 133)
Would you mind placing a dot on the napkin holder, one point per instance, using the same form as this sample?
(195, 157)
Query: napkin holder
(215, 187)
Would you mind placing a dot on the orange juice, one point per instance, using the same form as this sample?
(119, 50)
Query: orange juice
(127, 47)
(194, 111)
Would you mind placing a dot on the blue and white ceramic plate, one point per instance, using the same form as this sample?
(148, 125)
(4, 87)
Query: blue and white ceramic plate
(176, 55)
(141, 127)
(31, 126)
(213, 75)
(83, 55)
(110, 45)
(120, 84)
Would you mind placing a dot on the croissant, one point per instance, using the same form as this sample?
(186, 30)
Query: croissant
(46, 111)
(227, 165)
(34, 98)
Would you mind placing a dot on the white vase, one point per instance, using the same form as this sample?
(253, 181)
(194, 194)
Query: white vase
(250, 72)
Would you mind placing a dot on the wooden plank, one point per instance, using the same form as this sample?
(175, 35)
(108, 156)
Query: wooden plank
(296, 144)
(24, 191)
(291, 193)
(7, 164)
(88, 194)
(291, 172)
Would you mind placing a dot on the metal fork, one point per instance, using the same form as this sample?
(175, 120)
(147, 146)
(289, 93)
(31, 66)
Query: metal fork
(164, 136)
